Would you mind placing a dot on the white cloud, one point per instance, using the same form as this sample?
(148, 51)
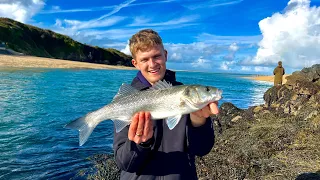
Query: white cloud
(99, 23)
(140, 20)
(245, 68)
(235, 67)
(74, 26)
(176, 56)
(292, 37)
(229, 57)
(126, 50)
(262, 69)
(233, 47)
(20, 10)
(187, 53)
(208, 4)
(116, 9)
(59, 10)
(211, 38)
(177, 21)
(201, 63)
(225, 65)
(58, 23)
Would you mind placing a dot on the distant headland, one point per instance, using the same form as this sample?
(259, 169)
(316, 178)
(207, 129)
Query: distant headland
(33, 41)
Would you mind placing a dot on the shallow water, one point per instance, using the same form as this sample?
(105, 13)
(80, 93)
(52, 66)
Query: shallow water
(35, 104)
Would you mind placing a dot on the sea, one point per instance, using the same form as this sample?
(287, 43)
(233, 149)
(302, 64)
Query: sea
(35, 104)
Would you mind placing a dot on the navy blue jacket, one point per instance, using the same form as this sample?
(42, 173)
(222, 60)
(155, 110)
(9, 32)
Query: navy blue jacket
(170, 154)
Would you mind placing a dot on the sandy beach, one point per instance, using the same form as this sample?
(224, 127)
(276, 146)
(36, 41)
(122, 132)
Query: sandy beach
(12, 61)
(267, 78)
(39, 62)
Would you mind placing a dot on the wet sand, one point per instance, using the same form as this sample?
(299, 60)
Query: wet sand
(39, 62)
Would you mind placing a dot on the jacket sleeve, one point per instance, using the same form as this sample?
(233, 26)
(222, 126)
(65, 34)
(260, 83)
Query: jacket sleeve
(200, 139)
(129, 156)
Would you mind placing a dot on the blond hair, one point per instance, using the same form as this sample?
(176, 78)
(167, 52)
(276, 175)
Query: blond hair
(143, 41)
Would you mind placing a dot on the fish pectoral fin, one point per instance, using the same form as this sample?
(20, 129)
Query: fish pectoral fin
(161, 85)
(173, 121)
(120, 124)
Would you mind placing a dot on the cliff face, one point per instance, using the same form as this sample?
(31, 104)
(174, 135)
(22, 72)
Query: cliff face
(275, 140)
(34, 41)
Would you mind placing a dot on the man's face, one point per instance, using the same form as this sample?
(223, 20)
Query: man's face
(151, 63)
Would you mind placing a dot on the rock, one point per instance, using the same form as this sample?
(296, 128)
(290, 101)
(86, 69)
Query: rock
(311, 74)
(227, 113)
(235, 119)
(305, 88)
(313, 113)
(271, 95)
(257, 109)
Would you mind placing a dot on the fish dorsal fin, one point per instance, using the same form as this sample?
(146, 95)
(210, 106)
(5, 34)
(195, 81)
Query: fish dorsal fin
(161, 85)
(173, 121)
(125, 89)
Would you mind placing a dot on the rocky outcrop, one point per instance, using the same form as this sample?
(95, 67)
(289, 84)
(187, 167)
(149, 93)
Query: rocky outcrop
(275, 140)
(300, 96)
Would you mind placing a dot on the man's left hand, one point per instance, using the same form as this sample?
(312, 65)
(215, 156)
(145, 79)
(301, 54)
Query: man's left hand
(199, 117)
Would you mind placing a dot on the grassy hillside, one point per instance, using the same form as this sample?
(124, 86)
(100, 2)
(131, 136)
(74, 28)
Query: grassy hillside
(35, 41)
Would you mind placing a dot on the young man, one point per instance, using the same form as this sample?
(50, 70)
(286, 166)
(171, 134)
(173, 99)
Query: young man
(148, 149)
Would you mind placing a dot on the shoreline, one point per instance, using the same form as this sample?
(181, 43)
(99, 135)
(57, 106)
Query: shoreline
(13, 61)
(266, 78)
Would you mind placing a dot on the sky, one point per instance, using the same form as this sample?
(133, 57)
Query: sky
(224, 36)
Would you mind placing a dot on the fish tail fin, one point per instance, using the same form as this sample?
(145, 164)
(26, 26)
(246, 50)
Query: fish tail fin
(85, 129)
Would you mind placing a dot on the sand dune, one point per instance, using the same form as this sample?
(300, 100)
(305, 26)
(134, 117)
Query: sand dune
(39, 62)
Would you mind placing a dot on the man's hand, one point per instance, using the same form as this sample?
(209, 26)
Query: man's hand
(141, 128)
(198, 118)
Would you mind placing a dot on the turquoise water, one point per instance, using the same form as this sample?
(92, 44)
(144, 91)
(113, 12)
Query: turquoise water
(35, 104)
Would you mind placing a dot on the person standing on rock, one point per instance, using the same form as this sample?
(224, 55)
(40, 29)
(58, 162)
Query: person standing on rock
(278, 74)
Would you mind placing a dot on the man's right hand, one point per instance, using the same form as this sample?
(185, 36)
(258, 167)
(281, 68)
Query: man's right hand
(141, 127)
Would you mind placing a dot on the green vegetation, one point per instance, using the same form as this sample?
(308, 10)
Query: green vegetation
(34, 41)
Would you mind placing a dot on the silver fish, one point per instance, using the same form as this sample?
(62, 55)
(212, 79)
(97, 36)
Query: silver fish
(162, 100)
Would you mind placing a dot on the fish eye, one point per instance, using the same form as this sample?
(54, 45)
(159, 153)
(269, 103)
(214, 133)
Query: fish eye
(207, 88)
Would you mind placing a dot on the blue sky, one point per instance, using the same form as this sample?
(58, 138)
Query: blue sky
(236, 36)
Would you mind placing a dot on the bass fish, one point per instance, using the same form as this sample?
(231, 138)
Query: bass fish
(162, 100)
